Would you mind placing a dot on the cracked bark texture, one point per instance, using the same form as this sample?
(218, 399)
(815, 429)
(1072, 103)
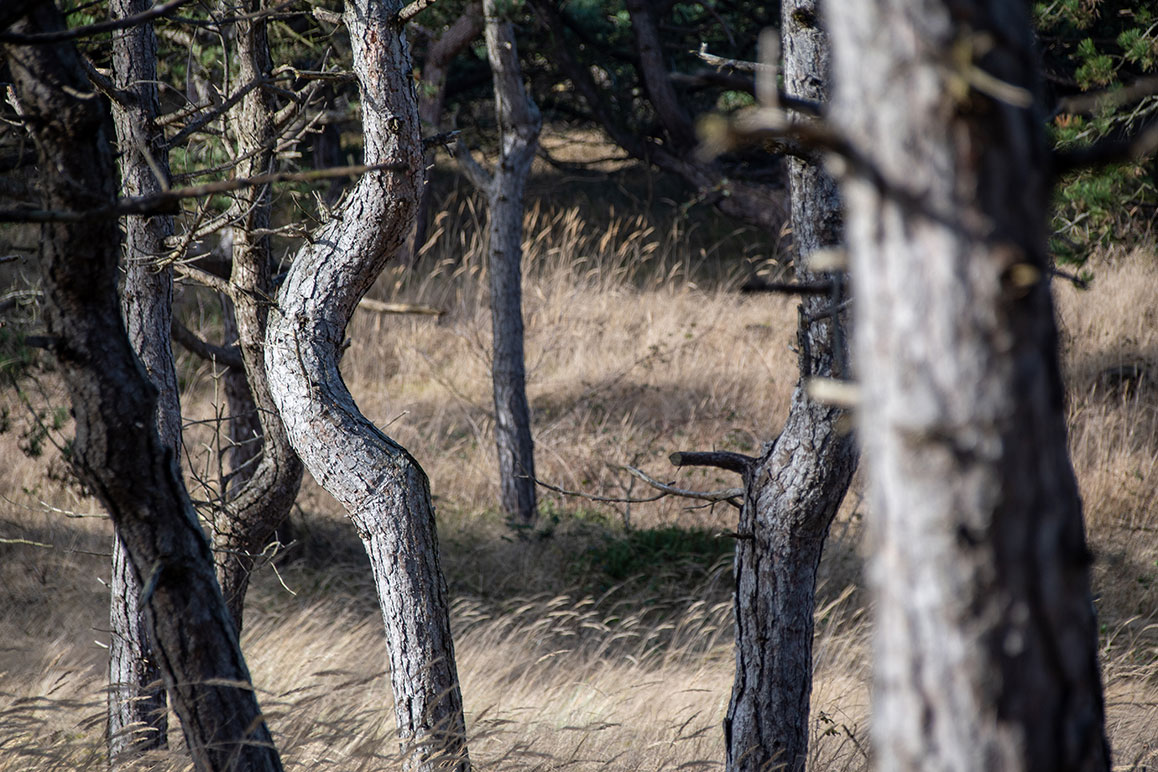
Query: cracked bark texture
(519, 123)
(253, 510)
(794, 491)
(986, 638)
(117, 447)
(383, 488)
(137, 709)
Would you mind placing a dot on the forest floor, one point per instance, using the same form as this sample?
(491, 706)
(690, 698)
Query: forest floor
(602, 638)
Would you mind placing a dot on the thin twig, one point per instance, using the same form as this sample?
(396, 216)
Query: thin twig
(593, 497)
(727, 494)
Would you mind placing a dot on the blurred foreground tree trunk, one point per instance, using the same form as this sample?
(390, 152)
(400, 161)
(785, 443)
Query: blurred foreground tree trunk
(138, 714)
(986, 639)
(794, 489)
(117, 449)
(383, 488)
(519, 124)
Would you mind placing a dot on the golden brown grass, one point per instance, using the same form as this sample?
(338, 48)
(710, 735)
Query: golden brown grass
(637, 346)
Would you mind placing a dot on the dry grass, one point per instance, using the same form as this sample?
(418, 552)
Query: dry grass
(575, 652)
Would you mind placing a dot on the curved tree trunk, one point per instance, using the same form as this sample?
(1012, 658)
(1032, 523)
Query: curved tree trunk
(382, 487)
(797, 486)
(138, 715)
(117, 447)
(519, 124)
(986, 639)
(252, 513)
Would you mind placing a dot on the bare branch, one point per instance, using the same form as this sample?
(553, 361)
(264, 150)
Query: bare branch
(787, 288)
(593, 497)
(398, 308)
(727, 494)
(204, 277)
(156, 12)
(783, 98)
(412, 10)
(229, 356)
(478, 176)
(1093, 101)
(167, 202)
(721, 459)
(735, 64)
(1108, 151)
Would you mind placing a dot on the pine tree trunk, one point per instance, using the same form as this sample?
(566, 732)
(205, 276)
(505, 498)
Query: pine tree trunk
(519, 124)
(117, 448)
(798, 484)
(252, 513)
(383, 488)
(138, 715)
(986, 640)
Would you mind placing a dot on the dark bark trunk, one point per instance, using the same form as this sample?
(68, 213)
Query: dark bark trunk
(654, 72)
(249, 517)
(798, 484)
(117, 448)
(519, 124)
(138, 715)
(986, 639)
(381, 485)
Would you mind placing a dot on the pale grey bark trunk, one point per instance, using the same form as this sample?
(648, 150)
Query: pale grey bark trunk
(986, 639)
(117, 448)
(138, 715)
(382, 487)
(519, 123)
(253, 511)
(796, 487)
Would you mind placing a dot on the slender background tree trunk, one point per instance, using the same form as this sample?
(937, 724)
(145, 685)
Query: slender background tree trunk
(138, 714)
(986, 640)
(383, 488)
(519, 125)
(797, 486)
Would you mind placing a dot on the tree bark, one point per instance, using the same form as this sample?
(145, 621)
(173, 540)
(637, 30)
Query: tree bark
(382, 487)
(248, 518)
(138, 715)
(117, 448)
(519, 124)
(986, 638)
(795, 489)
